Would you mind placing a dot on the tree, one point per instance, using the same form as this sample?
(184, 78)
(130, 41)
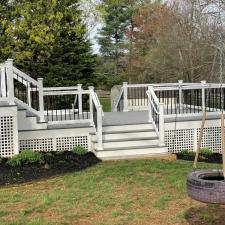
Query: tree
(175, 41)
(112, 37)
(48, 39)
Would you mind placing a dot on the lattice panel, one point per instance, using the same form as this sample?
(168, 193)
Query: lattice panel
(6, 136)
(43, 145)
(68, 143)
(211, 138)
(179, 140)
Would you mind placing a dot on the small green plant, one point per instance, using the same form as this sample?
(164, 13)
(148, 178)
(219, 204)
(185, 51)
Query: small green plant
(26, 157)
(187, 153)
(79, 150)
(205, 151)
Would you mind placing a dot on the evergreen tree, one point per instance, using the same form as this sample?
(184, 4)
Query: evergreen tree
(48, 39)
(112, 36)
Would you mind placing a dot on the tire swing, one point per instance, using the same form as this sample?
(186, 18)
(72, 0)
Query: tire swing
(208, 186)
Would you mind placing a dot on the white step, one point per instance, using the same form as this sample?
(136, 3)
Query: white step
(152, 151)
(29, 123)
(122, 136)
(128, 144)
(129, 128)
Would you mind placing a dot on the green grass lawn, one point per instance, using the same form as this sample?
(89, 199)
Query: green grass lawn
(124, 192)
(106, 104)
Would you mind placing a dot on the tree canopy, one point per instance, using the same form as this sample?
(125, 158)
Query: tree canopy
(47, 39)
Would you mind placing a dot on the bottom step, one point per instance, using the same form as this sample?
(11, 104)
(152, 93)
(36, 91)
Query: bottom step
(132, 153)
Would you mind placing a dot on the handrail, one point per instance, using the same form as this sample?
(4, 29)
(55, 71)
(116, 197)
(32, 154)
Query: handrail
(118, 99)
(66, 92)
(60, 88)
(96, 114)
(22, 74)
(152, 93)
(156, 114)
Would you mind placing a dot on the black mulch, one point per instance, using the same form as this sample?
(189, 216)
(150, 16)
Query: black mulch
(213, 158)
(56, 163)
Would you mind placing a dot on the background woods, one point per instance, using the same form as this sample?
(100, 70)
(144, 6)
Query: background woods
(139, 41)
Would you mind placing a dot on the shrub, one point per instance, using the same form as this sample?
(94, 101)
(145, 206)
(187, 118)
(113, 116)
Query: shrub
(205, 151)
(79, 150)
(26, 157)
(187, 153)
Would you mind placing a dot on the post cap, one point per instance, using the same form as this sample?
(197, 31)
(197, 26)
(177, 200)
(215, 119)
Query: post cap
(9, 61)
(203, 82)
(180, 81)
(125, 83)
(91, 87)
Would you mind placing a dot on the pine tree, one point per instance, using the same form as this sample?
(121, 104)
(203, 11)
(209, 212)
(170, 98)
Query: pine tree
(112, 36)
(48, 39)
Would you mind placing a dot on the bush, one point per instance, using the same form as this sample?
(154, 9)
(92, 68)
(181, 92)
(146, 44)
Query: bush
(79, 150)
(187, 153)
(26, 157)
(205, 152)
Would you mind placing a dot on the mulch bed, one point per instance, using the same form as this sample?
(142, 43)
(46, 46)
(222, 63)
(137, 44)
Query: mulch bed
(214, 158)
(56, 163)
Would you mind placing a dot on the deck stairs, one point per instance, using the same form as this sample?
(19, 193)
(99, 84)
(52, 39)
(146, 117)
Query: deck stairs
(127, 136)
(28, 120)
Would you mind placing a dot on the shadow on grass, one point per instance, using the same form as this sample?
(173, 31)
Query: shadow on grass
(206, 215)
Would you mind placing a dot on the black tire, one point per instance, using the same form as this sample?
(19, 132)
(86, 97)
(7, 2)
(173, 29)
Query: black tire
(207, 186)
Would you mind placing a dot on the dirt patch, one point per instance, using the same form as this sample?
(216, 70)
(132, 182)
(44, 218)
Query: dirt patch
(56, 163)
(212, 214)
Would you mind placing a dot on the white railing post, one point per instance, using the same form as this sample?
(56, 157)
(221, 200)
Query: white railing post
(180, 82)
(149, 106)
(29, 94)
(41, 100)
(91, 89)
(161, 125)
(10, 81)
(203, 83)
(125, 97)
(99, 127)
(3, 81)
(80, 106)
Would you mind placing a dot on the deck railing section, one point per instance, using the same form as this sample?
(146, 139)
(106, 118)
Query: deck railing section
(96, 114)
(55, 105)
(156, 113)
(178, 98)
(63, 104)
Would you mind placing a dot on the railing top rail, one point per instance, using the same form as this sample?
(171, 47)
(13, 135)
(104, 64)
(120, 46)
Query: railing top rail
(119, 97)
(22, 74)
(150, 93)
(66, 92)
(95, 98)
(177, 85)
(60, 88)
(161, 85)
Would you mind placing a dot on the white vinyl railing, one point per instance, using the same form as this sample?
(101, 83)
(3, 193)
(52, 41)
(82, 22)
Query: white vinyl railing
(178, 98)
(156, 114)
(54, 105)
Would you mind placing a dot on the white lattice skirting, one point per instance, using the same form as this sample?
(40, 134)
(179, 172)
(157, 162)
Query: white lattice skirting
(55, 140)
(185, 136)
(8, 132)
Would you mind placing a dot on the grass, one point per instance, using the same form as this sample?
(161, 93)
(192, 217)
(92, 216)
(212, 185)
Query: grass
(112, 193)
(106, 104)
